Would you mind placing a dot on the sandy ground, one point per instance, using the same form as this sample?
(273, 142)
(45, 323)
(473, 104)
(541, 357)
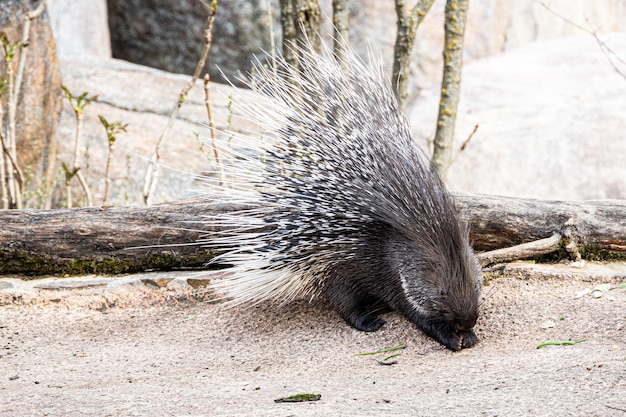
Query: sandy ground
(138, 352)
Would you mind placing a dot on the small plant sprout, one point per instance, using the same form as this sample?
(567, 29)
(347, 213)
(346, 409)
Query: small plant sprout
(78, 103)
(112, 130)
(11, 173)
(387, 359)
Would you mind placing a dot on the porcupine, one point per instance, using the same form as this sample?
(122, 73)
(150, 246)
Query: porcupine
(343, 205)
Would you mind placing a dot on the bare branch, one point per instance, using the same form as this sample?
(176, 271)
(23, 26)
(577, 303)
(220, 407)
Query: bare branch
(606, 50)
(152, 171)
(216, 153)
(523, 251)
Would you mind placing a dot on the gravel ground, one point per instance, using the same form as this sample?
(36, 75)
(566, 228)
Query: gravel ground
(133, 350)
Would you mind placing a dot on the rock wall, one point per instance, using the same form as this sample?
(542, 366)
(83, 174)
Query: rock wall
(143, 98)
(169, 34)
(493, 27)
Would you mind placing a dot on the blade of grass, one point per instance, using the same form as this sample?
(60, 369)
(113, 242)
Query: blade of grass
(560, 343)
(391, 349)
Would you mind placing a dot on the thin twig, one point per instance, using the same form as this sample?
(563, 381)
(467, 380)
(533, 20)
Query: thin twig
(19, 175)
(606, 50)
(107, 174)
(207, 103)
(76, 163)
(9, 54)
(464, 145)
(467, 141)
(4, 192)
(152, 171)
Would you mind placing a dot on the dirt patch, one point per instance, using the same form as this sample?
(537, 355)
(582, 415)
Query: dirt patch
(172, 353)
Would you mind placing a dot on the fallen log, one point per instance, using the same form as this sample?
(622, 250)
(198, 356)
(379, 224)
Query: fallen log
(499, 222)
(114, 240)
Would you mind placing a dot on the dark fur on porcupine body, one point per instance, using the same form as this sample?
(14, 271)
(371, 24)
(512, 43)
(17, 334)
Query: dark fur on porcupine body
(343, 205)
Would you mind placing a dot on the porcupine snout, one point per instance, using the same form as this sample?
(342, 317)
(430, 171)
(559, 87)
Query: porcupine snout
(463, 327)
(465, 323)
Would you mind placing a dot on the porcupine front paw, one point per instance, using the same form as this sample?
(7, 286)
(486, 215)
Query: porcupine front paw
(459, 340)
(445, 334)
(469, 338)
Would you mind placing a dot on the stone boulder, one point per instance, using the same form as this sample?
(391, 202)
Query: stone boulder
(40, 97)
(551, 122)
(143, 98)
(80, 27)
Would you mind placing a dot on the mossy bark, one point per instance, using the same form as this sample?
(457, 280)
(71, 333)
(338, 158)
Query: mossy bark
(456, 14)
(110, 240)
(341, 32)
(408, 22)
(130, 239)
(300, 20)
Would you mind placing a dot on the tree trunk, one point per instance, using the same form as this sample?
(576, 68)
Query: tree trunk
(407, 23)
(341, 31)
(456, 13)
(131, 239)
(300, 20)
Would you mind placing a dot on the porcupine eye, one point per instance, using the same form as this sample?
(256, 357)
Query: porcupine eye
(443, 293)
